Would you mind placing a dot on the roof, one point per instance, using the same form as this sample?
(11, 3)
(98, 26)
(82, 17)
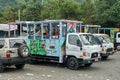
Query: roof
(63, 20)
(99, 34)
(96, 26)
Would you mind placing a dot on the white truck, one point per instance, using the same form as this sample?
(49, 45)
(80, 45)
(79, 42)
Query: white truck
(107, 46)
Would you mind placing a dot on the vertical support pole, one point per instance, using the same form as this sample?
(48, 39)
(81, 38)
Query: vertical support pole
(42, 30)
(20, 29)
(80, 27)
(104, 31)
(34, 30)
(9, 31)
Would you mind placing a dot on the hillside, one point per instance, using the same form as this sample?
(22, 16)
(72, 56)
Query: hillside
(4, 3)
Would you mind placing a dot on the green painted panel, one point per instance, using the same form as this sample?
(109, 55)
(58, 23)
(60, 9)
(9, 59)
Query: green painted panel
(37, 47)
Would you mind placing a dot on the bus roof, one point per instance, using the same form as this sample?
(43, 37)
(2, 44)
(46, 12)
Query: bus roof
(62, 20)
(97, 26)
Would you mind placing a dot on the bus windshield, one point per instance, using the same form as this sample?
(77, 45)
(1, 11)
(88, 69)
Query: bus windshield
(106, 39)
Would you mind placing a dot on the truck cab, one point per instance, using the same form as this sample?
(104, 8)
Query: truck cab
(81, 49)
(107, 46)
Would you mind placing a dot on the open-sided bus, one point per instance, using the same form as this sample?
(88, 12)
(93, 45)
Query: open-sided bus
(90, 28)
(59, 41)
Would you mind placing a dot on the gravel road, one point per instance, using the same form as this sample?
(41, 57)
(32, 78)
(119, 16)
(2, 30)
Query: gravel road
(104, 70)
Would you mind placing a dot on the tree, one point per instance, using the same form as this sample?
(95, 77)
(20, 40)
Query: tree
(61, 9)
(88, 12)
(51, 9)
(70, 10)
(9, 14)
(33, 12)
(105, 10)
(114, 13)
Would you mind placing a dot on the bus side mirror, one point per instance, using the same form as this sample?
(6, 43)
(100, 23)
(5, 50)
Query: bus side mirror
(79, 44)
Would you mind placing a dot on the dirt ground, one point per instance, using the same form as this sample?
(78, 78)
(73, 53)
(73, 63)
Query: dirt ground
(104, 70)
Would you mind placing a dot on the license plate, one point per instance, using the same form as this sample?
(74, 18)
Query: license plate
(96, 59)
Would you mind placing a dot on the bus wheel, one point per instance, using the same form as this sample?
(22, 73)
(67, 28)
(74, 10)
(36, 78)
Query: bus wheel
(118, 48)
(72, 63)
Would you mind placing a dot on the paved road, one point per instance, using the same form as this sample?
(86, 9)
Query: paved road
(103, 70)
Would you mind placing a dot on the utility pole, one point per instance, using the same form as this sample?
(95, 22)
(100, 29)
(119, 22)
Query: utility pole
(19, 14)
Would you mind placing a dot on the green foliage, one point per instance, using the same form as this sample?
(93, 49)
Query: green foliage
(70, 10)
(106, 10)
(33, 12)
(114, 13)
(88, 11)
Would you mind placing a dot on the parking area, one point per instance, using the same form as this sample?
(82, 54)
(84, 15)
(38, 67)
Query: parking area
(104, 70)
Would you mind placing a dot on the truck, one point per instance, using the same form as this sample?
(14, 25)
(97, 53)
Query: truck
(107, 46)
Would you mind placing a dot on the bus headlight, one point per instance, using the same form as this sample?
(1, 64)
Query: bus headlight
(85, 54)
(102, 50)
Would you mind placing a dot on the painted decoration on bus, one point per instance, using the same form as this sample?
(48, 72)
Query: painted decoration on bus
(37, 47)
(71, 27)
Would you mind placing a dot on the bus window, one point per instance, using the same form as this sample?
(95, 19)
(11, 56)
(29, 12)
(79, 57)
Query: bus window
(38, 30)
(46, 29)
(31, 29)
(118, 35)
(12, 33)
(18, 30)
(24, 30)
(55, 33)
(3, 34)
(64, 29)
(78, 28)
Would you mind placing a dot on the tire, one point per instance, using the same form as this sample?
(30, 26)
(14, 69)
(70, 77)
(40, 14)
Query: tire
(104, 57)
(118, 48)
(19, 66)
(72, 63)
(23, 50)
(88, 65)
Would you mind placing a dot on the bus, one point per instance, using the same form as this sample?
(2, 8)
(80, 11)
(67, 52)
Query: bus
(90, 28)
(59, 41)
